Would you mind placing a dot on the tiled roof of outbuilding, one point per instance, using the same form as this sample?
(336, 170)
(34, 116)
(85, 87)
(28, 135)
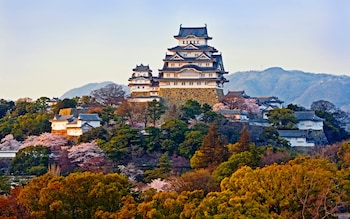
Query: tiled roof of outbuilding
(307, 115)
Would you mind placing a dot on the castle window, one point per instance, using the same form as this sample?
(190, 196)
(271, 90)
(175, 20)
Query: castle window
(210, 74)
(168, 83)
(197, 41)
(172, 64)
(175, 83)
(183, 83)
(183, 42)
(206, 83)
(206, 64)
(191, 83)
(198, 83)
(168, 75)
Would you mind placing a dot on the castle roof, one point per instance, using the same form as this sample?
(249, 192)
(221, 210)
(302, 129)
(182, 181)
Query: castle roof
(199, 32)
(292, 133)
(196, 67)
(204, 48)
(307, 115)
(239, 93)
(142, 68)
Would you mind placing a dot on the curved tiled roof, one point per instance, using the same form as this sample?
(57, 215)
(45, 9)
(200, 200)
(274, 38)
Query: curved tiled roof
(200, 32)
(204, 48)
(142, 68)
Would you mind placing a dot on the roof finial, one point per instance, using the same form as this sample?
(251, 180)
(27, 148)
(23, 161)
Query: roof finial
(180, 25)
(205, 25)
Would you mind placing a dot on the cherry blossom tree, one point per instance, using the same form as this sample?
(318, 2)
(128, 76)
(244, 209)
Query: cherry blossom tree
(9, 143)
(45, 139)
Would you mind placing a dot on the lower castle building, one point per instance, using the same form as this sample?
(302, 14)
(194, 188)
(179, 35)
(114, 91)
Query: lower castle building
(191, 70)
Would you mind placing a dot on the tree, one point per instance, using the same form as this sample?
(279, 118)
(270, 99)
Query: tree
(153, 139)
(93, 134)
(190, 110)
(323, 105)
(135, 114)
(154, 110)
(295, 107)
(302, 188)
(212, 151)
(244, 143)
(120, 146)
(332, 129)
(110, 95)
(193, 140)
(282, 118)
(5, 107)
(270, 136)
(41, 104)
(227, 168)
(194, 180)
(65, 103)
(79, 195)
(174, 129)
(162, 171)
(32, 160)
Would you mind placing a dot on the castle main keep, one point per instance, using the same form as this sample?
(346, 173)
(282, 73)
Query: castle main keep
(191, 70)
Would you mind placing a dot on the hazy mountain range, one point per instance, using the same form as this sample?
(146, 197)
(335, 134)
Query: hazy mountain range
(293, 86)
(296, 87)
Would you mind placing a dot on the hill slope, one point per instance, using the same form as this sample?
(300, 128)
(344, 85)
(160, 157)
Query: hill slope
(293, 86)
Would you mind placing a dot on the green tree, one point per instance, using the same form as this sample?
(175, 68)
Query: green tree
(153, 138)
(121, 144)
(155, 109)
(65, 103)
(193, 140)
(332, 129)
(5, 107)
(95, 133)
(162, 171)
(270, 136)
(227, 168)
(282, 118)
(174, 129)
(190, 110)
(33, 160)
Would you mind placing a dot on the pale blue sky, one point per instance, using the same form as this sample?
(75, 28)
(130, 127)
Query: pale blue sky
(49, 47)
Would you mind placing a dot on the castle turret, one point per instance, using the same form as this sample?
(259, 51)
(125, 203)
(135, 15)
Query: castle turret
(143, 86)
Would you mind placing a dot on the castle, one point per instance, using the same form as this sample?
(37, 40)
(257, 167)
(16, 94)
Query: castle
(191, 70)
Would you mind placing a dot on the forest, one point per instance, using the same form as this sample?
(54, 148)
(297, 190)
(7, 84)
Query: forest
(156, 161)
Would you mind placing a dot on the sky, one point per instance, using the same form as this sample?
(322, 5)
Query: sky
(50, 47)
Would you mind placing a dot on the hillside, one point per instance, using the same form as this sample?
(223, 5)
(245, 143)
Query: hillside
(293, 86)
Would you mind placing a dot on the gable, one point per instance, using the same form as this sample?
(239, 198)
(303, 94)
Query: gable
(190, 46)
(203, 56)
(176, 57)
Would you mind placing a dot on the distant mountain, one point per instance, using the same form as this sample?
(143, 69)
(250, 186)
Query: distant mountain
(85, 90)
(293, 86)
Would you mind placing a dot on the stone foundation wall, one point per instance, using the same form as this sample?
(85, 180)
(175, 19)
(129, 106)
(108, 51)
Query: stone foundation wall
(178, 96)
